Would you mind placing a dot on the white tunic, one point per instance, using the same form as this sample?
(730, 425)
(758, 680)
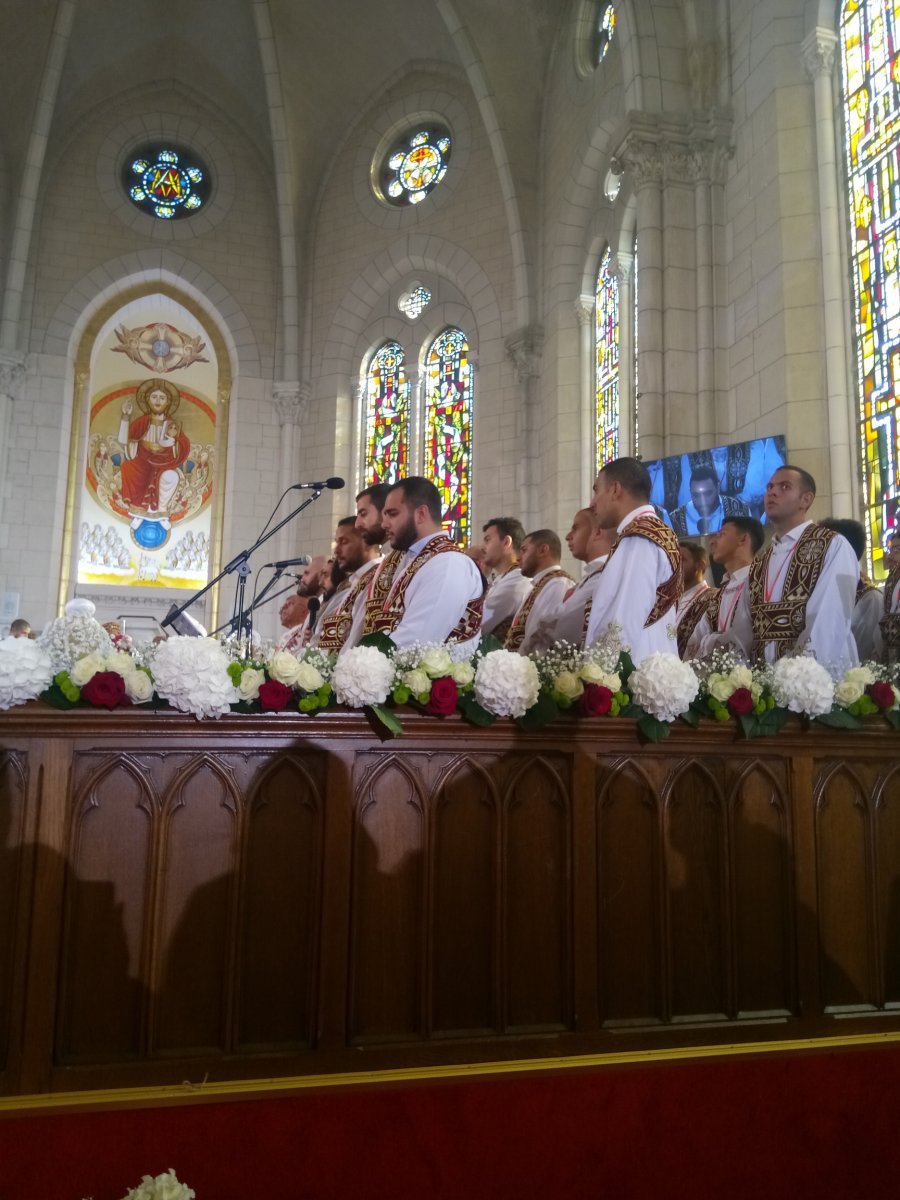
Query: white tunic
(503, 598)
(626, 592)
(359, 605)
(867, 613)
(437, 597)
(729, 629)
(829, 610)
(566, 623)
(545, 605)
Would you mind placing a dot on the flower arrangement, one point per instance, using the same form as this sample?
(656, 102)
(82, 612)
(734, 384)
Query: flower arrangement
(163, 1187)
(802, 685)
(26, 670)
(664, 688)
(732, 690)
(74, 635)
(191, 673)
(506, 684)
(589, 682)
(426, 674)
(865, 691)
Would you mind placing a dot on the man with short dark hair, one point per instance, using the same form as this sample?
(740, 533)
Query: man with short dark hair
(802, 588)
(434, 592)
(733, 548)
(369, 504)
(639, 587)
(355, 558)
(869, 607)
(693, 600)
(588, 544)
(20, 628)
(889, 626)
(707, 507)
(503, 537)
(540, 555)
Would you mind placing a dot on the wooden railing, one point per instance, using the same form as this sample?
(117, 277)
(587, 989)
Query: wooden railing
(268, 896)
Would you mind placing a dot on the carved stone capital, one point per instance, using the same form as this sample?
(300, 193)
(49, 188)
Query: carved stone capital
(12, 374)
(622, 266)
(644, 160)
(818, 51)
(665, 148)
(584, 309)
(291, 401)
(524, 351)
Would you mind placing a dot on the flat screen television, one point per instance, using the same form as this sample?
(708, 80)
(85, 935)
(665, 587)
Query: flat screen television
(696, 492)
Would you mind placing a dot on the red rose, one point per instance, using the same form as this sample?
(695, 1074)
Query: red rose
(595, 701)
(275, 696)
(106, 689)
(740, 702)
(444, 695)
(882, 693)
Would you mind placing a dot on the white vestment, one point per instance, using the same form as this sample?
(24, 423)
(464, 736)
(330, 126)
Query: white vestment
(437, 597)
(503, 598)
(729, 631)
(547, 601)
(566, 623)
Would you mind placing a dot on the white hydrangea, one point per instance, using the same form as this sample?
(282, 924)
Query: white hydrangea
(163, 1187)
(74, 635)
(664, 686)
(192, 674)
(26, 670)
(803, 686)
(363, 675)
(506, 684)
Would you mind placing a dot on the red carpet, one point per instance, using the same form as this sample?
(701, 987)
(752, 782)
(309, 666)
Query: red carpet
(814, 1126)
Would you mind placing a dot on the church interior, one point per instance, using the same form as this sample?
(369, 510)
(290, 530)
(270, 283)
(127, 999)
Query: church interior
(636, 227)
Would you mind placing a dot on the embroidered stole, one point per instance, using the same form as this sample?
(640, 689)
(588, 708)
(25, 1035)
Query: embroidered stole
(890, 621)
(669, 593)
(335, 626)
(700, 605)
(782, 621)
(386, 603)
(589, 603)
(516, 635)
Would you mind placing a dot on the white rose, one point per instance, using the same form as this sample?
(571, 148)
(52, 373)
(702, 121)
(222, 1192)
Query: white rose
(284, 667)
(138, 686)
(720, 687)
(86, 668)
(862, 676)
(847, 692)
(741, 677)
(251, 681)
(462, 673)
(417, 682)
(435, 663)
(592, 672)
(568, 685)
(308, 678)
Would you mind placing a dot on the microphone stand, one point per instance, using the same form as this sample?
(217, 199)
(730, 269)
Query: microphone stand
(230, 623)
(239, 565)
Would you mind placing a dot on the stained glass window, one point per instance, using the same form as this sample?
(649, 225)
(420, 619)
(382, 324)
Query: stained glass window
(414, 302)
(166, 182)
(415, 166)
(448, 428)
(606, 27)
(606, 379)
(387, 416)
(870, 48)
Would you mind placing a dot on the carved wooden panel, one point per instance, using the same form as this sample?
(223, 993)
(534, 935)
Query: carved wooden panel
(629, 893)
(460, 895)
(887, 848)
(846, 885)
(13, 780)
(764, 932)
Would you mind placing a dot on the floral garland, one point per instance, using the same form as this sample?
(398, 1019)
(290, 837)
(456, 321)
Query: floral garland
(209, 679)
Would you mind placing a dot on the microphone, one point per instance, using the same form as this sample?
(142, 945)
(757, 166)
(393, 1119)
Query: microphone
(313, 609)
(333, 483)
(303, 561)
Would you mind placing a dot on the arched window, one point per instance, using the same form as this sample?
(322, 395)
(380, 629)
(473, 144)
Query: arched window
(448, 428)
(870, 50)
(387, 416)
(606, 344)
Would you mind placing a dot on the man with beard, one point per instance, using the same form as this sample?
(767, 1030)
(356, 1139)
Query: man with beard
(541, 552)
(640, 585)
(354, 559)
(308, 590)
(369, 504)
(503, 537)
(435, 593)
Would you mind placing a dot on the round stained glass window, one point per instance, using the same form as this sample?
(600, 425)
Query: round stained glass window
(415, 166)
(606, 27)
(167, 182)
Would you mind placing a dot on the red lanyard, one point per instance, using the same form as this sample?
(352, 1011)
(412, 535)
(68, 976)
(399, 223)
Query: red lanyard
(771, 590)
(734, 605)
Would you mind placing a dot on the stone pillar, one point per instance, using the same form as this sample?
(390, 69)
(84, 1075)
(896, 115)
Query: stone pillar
(818, 57)
(12, 384)
(524, 351)
(291, 402)
(585, 313)
(707, 168)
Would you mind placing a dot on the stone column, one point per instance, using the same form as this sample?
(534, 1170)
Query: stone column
(291, 402)
(707, 166)
(524, 351)
(12, 385)
(585, 313)
(818, 57)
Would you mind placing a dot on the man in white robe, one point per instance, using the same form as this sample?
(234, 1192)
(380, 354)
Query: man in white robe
(355, 558)
(725, 624)
(869, 607)
(695, 595)
(540, 555)
(590, 545)
(502, 542)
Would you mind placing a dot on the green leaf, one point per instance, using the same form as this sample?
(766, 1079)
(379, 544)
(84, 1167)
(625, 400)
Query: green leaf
(474, 713)
(489, 644)
(691, 717)
(57, 698)
(387, 719)
(380, 641)
(631, 710)
(652, 729)
(839, 718)
(541, 713)
(772, 721)
(892, 716)
(626, 665)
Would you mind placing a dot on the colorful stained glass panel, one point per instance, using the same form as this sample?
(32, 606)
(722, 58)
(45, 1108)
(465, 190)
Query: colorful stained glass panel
(415, 166)
(870, 50)
(165, 182)
(606, 343)
(448, 429)
(387, 416)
